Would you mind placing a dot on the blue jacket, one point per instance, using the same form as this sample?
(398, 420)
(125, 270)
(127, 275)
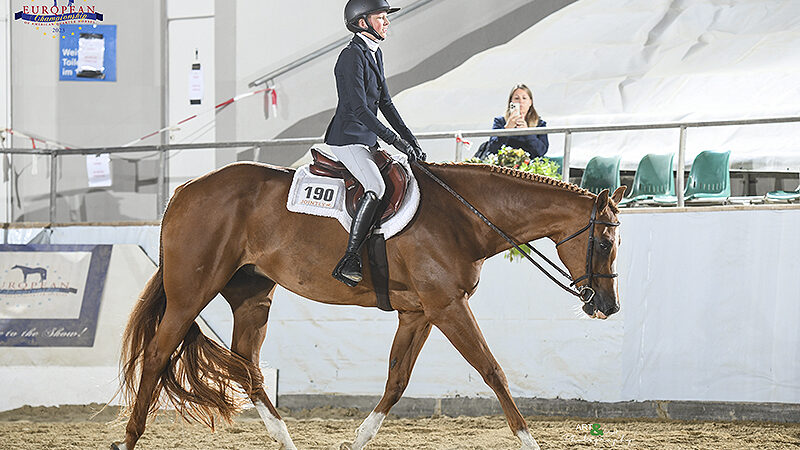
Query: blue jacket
(361, 86)
(534, 144)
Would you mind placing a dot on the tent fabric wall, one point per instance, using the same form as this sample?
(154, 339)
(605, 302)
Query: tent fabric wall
(711, 306)
(606, 62)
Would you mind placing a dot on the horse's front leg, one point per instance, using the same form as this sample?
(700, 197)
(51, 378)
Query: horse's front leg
(412, 332)
(458, 324)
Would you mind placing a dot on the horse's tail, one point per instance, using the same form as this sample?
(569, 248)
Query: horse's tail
(202, 378)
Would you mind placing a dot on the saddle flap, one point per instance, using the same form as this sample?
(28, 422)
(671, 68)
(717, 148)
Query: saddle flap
(396, 181)
(327, 167)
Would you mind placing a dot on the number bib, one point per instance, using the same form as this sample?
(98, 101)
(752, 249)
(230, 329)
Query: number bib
(318, 194)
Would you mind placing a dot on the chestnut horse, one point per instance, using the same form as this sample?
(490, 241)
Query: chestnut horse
(229, 232)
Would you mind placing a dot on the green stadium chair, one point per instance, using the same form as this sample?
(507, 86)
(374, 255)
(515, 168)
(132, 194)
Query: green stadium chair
(784, 196)
(709, 179)
(653, 177)
(601, 173)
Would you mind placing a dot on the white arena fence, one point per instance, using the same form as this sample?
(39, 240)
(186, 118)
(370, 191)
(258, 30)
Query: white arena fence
(166, 179)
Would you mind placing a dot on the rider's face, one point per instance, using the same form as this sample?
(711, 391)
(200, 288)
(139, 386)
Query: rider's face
(380, 22)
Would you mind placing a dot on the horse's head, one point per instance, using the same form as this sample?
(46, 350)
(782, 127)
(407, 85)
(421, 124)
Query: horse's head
(590, 254)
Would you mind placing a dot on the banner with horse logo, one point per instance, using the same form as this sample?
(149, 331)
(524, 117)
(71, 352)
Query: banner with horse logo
(50, 294)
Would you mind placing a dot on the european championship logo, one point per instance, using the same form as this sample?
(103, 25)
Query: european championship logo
(56, 15)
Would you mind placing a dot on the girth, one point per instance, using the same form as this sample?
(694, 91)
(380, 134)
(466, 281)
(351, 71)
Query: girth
(393, 173)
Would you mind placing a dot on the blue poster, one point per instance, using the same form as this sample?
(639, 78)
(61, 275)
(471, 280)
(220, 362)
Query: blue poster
(88, 53)
(50, 294)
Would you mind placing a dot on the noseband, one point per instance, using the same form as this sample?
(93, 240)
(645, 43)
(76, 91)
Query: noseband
(589, 275)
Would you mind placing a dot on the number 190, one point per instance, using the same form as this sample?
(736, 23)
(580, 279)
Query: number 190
(319, 193)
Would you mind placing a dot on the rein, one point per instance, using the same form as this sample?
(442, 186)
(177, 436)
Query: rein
(589, 252)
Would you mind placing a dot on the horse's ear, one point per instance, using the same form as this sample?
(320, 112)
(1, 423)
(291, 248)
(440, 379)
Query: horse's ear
(617, 195)
(602, 200)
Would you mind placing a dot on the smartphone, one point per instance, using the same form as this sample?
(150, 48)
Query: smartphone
(513, 107)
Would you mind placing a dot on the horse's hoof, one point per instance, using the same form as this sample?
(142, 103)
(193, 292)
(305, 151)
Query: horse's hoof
(118, 446)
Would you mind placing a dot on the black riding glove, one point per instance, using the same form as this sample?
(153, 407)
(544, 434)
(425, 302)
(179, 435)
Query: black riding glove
(403, 145)
(414, 153)
(421, 156)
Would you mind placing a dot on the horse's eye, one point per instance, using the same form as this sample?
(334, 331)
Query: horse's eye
(605, 245)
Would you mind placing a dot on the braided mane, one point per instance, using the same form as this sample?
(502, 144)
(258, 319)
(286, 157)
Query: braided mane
(529, 176)
(524, 175)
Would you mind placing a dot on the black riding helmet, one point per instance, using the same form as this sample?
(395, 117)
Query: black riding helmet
(360, 9)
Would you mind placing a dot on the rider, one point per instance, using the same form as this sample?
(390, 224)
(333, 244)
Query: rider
(353, 131)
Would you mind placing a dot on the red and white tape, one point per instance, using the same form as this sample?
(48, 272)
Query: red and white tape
(34, 139)
(272, 98)
(209, 111)
(460, 140)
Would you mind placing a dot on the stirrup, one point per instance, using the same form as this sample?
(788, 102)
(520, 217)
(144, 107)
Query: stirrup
(350, 276)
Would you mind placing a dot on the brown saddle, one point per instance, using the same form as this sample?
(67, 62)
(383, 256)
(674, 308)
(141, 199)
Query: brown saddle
(394, 175)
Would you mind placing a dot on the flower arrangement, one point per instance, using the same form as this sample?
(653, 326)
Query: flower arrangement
(517, 158)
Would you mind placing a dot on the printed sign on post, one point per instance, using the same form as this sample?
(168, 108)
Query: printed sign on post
(88, 53)
(98, 168)
(196, 85)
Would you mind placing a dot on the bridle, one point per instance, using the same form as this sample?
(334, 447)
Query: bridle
(589, 276)
(572, 288)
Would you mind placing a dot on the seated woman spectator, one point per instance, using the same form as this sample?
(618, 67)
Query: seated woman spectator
(520, 113)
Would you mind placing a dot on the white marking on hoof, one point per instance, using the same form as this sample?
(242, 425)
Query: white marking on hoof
(367, 430)
(275, 427)
(118, 446)
(528, 442)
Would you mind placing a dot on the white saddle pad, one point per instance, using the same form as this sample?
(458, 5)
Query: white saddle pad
(325, 197)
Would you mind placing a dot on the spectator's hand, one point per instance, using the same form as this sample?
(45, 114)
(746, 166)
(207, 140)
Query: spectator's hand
(514, 119)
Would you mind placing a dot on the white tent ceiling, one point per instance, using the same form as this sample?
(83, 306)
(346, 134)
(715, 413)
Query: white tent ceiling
(638, 61)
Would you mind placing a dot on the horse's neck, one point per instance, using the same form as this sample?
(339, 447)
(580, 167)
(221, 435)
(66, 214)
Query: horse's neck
(524, 209)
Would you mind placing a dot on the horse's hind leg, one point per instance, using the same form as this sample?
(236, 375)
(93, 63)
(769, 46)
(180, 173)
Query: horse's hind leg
(412, 332)
(459, 326)
(250, 297)
(171, 331)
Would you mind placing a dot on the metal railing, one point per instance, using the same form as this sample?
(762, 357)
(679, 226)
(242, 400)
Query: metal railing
(266, 79)
(162, 150)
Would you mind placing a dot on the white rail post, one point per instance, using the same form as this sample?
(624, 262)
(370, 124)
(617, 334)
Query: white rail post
(459, 147)
(681, 165)
(565, 162)
(161, 194)
(53, 185)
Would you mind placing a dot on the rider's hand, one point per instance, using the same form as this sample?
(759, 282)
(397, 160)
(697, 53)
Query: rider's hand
(420, 155)
(403, 145)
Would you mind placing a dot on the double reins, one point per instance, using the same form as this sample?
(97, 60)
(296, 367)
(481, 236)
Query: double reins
(589, 253)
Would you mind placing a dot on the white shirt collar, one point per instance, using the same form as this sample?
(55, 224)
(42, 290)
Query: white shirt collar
(372, 45)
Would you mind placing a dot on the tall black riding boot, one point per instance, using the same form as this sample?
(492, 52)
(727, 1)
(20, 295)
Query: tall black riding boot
(348, 271)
